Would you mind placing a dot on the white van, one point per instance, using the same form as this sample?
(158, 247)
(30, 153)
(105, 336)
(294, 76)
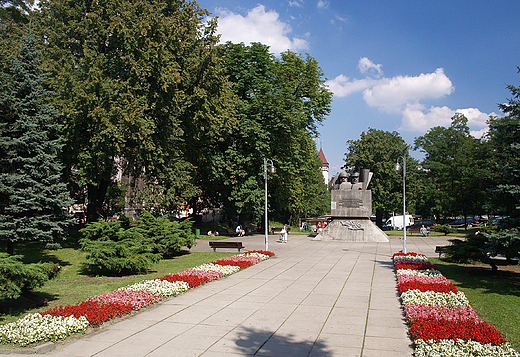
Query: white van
(397, 221)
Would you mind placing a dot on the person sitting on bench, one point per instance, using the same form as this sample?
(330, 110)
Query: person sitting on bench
(240, 231)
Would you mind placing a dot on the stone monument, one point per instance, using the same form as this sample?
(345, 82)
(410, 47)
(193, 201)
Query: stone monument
(351, 208)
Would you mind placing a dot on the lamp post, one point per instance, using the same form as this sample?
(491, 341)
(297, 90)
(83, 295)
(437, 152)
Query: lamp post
(397, 168)
(272, 170)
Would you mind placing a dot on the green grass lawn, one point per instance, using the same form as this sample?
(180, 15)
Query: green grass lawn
(73, 284)
(496, 298)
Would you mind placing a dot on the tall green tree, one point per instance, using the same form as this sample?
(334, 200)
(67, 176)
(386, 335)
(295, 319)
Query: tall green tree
(504, 136)
(457, 166)
(378, 151)
(33, 197)
(141, 91)
(280, 103)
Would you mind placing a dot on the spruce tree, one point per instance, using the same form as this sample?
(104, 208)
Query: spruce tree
(33, 197)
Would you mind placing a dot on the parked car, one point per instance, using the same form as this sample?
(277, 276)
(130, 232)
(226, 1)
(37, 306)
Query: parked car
(421, 223)
(470, 222)
(387, 227)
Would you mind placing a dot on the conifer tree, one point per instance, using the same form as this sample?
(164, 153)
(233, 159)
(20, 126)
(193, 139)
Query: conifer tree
(33, 198)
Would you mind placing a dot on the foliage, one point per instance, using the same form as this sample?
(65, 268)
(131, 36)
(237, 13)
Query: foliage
(169, 237)
(457, 165)
(117, 248)
(17, 278)
(15, 10)
(482, 247)
(506, 242)
(467, 250)
(504, 136)
(444, 229)
(379, 151)
(280, 103)
(141, 92)
(32, 193)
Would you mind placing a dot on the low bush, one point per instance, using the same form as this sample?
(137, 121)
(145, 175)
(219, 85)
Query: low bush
(117, 248)
(17, 278)
(444, 229)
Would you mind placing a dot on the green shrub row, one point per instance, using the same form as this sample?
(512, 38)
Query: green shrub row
(118, 248)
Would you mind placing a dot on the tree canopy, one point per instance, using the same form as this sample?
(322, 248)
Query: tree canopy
(140, 91)
(456, 163)
(280, 103)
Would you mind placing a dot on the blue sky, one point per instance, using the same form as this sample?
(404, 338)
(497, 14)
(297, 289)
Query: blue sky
(392, 65)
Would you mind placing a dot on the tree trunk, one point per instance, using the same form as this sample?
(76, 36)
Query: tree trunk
(96, 198)
(379, 218)
(10, 247)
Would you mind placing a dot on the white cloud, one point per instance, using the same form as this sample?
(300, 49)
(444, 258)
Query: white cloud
(343, 86)
(323, 4)
(404, 94)
(258, 26)
(393, 94)
(479, 133)
(296, 3)
(366, 66)
(417, 118)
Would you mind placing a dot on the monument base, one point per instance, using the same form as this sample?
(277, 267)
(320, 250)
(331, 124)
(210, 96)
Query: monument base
(352, 230)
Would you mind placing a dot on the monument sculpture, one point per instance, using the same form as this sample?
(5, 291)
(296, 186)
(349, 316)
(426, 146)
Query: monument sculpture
(351, 208)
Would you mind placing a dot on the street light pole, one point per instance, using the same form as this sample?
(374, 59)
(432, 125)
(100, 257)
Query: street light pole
(266, 223)
(398, 167)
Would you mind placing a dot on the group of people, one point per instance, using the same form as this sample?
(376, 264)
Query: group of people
(284, 233)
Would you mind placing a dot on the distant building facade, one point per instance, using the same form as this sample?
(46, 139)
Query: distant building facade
(324, 166)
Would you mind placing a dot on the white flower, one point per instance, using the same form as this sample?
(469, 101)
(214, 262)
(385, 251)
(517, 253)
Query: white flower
(162, 287)
(35, 327)
(410, 258)
(459, 348)
(224, 269)
(425, 272)
(433, 298)
(254, 254)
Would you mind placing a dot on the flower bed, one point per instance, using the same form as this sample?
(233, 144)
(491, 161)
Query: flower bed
(62, 321)
(442, 322)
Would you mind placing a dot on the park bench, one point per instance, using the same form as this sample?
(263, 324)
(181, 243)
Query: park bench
(441, 249)
(277, 230)
(225, 244)
(413, 230)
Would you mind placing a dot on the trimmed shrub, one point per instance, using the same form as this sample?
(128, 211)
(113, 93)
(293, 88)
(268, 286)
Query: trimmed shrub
(17, 278)
(116, 248)
(444, 229)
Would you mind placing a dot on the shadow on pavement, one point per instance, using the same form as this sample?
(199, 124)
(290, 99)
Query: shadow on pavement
(266, 343)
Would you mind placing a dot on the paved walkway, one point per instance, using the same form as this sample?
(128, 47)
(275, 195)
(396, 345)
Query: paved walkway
(314, 298)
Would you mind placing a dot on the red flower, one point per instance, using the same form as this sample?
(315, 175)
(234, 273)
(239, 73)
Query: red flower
(437, 287)
(261, 252)
(193, 280)
(234, 262)
(415, 265)
(95, 312)
(453, 330)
